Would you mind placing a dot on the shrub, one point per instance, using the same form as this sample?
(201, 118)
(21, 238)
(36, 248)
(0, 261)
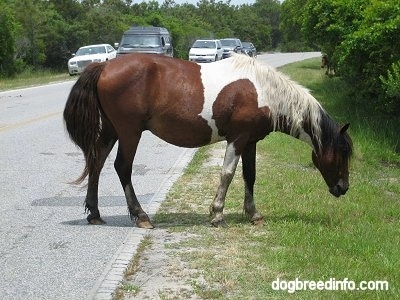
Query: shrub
(391, 86)
(368, 53)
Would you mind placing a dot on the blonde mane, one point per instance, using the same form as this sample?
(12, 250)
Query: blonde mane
(284, 97)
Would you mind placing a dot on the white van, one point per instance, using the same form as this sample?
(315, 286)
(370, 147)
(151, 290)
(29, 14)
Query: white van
(206, 51)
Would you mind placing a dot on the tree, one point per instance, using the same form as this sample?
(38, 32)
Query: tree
(371, 52)
(46, 32)
(186, 25)
(249, 26)
(292, 16)
(7, 50)
(269, 16)
(30, 40)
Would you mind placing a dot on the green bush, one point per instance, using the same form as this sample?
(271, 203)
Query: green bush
(7, 51)
(391, 86)
(368, 53)
(362, 39)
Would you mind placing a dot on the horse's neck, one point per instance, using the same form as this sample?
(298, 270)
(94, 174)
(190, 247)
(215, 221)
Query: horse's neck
(303, 132)
(294, 110)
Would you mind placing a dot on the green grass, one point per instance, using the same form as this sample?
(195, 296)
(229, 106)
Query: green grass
(308, 234)
(33, 78)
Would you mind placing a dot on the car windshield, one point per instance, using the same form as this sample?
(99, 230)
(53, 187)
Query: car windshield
(204, 44)
(140, 41)
(228, 43)
(90, 50)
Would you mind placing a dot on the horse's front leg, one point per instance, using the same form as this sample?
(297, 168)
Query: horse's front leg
(228, 171)
(123, 166)
(249, 177)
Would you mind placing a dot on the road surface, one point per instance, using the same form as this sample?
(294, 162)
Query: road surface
(47, 249)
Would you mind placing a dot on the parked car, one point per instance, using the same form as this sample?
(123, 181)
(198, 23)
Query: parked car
(231, 45)
(88, 54)
(146, 39)
(206, 51)
(249, 49)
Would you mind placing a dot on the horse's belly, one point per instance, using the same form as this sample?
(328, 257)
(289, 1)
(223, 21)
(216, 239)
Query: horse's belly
(181, 132)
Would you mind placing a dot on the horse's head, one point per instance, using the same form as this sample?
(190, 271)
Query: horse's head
(333, 162)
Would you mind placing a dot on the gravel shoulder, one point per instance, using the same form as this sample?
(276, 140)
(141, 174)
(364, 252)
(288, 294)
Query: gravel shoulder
(158, 270)
(160, 273)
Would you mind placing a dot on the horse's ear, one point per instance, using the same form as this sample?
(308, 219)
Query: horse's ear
(344, 128)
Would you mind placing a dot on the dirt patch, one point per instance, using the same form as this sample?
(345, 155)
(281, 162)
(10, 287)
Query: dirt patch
(161, 274)
(216, 155)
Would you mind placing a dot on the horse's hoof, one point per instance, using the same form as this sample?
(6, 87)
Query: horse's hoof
(96, 221)
(143, 221)
(219, 223)
(257, 219)
(145, 224)
(257, 222)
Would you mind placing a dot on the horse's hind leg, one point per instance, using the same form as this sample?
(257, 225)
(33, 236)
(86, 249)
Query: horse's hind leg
(228, 171)
(106, 142)
(249, 177)
(123, 166)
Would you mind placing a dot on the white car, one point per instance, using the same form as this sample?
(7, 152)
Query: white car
(88, 54)
(206, 51)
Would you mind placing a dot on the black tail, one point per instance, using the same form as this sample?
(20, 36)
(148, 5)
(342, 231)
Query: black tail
(82, 116)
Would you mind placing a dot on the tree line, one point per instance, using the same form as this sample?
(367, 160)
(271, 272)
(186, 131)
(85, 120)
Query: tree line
(361, 37)
(44, 33)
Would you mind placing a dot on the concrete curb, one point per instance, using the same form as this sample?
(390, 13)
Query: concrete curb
(113, 273)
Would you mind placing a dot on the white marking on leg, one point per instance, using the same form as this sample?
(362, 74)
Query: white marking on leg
(228, 171)
(231, 159)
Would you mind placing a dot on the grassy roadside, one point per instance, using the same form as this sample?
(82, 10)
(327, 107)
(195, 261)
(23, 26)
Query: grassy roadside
(32, 79)
(308, 234)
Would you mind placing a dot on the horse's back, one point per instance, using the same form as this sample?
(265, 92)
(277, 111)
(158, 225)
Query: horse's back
(183, 103)
(161, 94)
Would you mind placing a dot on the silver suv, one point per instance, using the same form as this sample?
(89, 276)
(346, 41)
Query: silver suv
(230, 46)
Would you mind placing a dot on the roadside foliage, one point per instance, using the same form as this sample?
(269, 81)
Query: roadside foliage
(361, 37)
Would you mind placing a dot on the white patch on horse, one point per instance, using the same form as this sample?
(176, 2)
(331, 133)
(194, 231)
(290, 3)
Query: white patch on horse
(276, 91)
(283, 96)
(215, 76)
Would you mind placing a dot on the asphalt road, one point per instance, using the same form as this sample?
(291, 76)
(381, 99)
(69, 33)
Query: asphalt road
(47, 249)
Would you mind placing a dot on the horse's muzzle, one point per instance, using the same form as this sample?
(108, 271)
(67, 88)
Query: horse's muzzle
(339, 189)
